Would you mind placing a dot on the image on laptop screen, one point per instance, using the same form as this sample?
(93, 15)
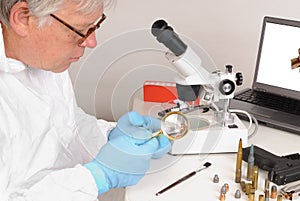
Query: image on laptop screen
(275, 95)
(279, 63)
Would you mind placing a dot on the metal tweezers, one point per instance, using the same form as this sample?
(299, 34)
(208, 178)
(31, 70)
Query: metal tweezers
(204, 108)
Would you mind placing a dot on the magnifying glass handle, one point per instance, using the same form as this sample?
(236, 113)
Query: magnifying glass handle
(156, 134)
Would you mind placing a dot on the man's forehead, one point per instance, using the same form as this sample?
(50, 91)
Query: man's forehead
(80, 19)
(73, 9)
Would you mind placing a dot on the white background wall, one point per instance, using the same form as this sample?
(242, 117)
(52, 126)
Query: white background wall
(109, 76)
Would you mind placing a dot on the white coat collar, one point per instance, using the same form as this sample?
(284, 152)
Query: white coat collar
(7, 64)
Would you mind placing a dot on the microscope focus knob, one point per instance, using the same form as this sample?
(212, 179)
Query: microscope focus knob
(226, 87)
(229, 68)
(239, 79)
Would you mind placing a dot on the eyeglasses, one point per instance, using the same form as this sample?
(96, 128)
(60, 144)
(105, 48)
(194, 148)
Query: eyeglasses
(82, 35)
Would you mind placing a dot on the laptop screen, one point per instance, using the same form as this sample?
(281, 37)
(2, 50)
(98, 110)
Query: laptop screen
(278, 63)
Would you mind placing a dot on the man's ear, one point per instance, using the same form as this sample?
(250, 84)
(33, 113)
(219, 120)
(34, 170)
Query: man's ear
(19, 18)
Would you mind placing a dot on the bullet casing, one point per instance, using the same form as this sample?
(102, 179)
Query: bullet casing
(255, 177)
(247, 188)
(251, 197)
(222, 193)
(226, 187)
(243, 186)
(249, 172)
(267, 185)
(273, 192)
(237, 194)
(238, 171)
(222, 197)
(250, 166)
(267, 194)
(216, 179)
(238, 176)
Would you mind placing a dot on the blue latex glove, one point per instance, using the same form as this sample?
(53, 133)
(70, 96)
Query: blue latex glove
(141, 128)
(124, 160)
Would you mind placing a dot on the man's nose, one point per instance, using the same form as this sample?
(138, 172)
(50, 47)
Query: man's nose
(90, 41)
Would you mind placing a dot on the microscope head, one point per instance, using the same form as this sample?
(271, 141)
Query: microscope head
(195, 77)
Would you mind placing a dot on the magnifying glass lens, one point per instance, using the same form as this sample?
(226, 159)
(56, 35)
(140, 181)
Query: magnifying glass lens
(175, 126)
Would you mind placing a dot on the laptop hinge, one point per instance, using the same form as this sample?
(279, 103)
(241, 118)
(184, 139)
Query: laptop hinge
(260, 89)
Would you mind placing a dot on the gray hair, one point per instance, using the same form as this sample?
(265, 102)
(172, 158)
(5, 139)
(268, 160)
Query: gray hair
(43, 8)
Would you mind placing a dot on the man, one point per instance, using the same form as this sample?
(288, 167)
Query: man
(49, 148)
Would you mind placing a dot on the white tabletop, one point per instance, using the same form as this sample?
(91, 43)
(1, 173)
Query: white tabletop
(170, 168)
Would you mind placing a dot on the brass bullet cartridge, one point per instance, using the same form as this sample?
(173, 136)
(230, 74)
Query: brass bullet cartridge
(273, 192)
(255, 177)
(248, 186)
(237, 194)
(251, 197)
(267, 194)
(267, 185)
(252, 190)
(238, 171)
(222, 193)
(226, 187)
(261, 198)
(243, 186)
(279, 198)
(249, 189)
(250, 163)
(216, 178)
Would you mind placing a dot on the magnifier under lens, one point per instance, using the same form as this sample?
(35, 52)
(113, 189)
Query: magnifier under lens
(174, 125)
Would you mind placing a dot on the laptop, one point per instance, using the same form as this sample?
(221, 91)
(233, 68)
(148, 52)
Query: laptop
(274, 99)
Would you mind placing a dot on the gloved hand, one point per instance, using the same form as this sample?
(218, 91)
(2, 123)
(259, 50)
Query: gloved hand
(124, 159)
(141, 128)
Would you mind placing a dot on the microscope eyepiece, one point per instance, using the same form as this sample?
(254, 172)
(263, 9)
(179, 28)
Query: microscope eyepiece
(166, 35)
(159, 26)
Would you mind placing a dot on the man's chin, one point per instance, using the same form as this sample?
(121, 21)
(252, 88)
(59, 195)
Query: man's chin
(61, 69)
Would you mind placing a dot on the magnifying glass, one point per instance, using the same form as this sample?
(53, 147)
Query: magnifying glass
(174, 125)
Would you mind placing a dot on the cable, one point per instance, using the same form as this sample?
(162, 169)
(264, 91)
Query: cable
(215, 107)
(255, 128)
(245, 113)
(251, 120)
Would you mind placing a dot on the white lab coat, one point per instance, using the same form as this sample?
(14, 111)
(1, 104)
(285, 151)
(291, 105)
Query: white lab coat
(44, 137)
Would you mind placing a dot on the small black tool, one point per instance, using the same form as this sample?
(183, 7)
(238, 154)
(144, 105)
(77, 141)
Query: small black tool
(206, 165)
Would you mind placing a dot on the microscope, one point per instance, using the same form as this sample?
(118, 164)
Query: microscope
(224, 129)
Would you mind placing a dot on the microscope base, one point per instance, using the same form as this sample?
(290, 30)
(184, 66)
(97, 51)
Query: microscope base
(215, 139)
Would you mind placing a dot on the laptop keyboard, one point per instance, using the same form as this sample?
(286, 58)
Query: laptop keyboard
(271, 101)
